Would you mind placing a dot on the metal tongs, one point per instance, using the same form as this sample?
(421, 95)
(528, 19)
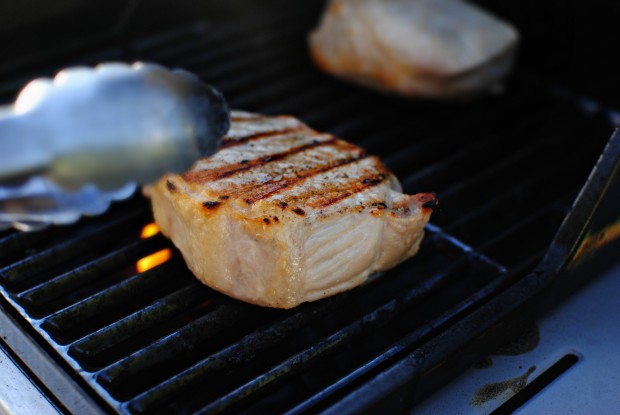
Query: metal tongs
(71, 145)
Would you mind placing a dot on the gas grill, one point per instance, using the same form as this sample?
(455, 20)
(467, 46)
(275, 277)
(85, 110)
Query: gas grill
(527, 185)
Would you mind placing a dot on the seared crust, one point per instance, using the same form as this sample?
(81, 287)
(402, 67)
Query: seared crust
(283, 214)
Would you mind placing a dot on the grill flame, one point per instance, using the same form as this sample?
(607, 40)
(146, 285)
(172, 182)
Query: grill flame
(153, 260)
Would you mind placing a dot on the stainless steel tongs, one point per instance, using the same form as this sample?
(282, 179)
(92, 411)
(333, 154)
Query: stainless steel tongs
(71, 145)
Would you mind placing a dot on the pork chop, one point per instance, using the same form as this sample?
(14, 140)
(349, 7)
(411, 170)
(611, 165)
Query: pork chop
(422, 48)
(283, 214)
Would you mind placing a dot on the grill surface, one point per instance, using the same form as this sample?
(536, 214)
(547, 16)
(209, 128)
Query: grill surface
(506, 169)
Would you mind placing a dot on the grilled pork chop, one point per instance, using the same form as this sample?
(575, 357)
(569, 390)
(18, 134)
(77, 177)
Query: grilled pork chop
(283, 214)
(429, 48)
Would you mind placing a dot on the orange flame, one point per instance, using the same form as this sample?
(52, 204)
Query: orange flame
(153, 260)
(149, 230)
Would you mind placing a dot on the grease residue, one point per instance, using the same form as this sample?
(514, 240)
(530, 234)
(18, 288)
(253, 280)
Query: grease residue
(494, 390)
(525, 342)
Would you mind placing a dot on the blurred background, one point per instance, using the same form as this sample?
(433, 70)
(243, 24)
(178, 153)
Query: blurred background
(569, 42)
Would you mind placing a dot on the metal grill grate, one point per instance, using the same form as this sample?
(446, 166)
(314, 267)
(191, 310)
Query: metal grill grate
(506, 169)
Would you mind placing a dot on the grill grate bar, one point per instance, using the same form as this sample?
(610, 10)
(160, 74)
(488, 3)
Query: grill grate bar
(252, 345)
(17, 241)
(16, 245)
(76, 320)
(534, 221)
(206, 53)
(369, 120)
(239, 67)
(271, 92)
(427, 141)
(215, 42)
(404, 347)
(536, 184)
(300, 101)
(165, 43)
(391, 377)
(300, 361)
(336, 108)
(453, 162)
(520, 240)
(156, 313)
(260, 76)
(513, 168)
(506, 168)
(22, 272)
(441, 144)
(336, 341)
(470, 159)
(383, 130)
(184, 340)
(50, 289)
(528, 263)
(406, 343)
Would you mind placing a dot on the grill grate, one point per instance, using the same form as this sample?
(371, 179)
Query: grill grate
(506, 169)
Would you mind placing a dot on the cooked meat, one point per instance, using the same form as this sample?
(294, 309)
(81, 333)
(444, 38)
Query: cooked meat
(283, 214)
(428, 48)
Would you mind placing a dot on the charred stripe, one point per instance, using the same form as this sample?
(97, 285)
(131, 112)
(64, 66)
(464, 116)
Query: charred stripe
(231, 142)
(276, 187)
(353, 189)
(244, 165)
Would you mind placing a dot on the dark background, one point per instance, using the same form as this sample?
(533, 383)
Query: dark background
(570, 43)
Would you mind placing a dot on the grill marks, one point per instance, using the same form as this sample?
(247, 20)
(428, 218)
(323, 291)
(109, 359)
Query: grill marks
(211, 204)
(427, 200)
(349, 190)
(272, 189)
(247, 117)
(232, 142)
(243, 165)
(171, 186)
(314, 170)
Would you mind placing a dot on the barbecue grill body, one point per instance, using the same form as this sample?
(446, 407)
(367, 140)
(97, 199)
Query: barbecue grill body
(527, 182)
